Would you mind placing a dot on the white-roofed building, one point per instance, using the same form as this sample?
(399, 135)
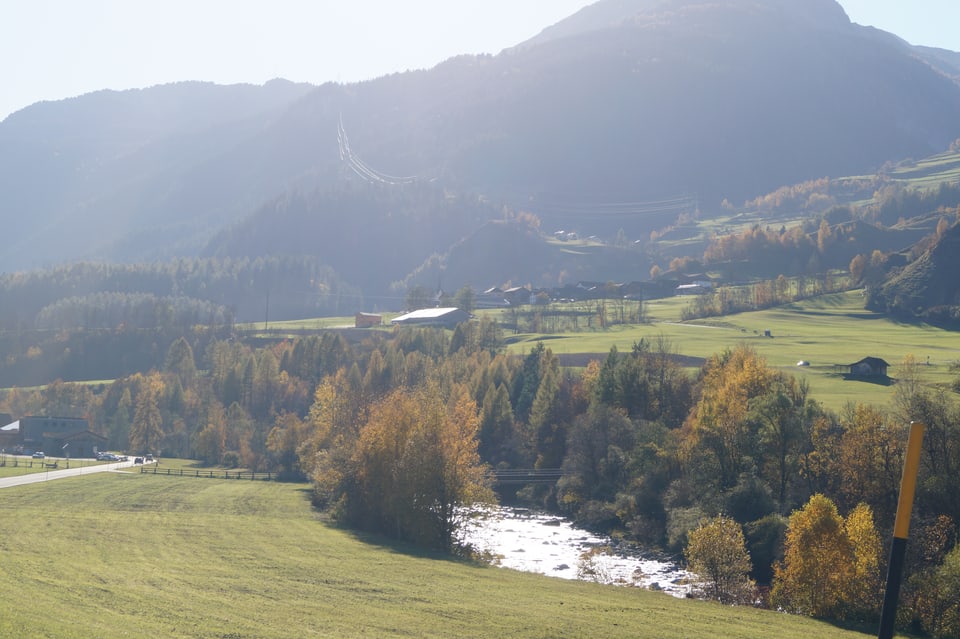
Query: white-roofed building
(445, 317)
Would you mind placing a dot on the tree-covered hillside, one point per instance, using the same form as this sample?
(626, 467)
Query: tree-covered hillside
(624, 122)
(927, 287)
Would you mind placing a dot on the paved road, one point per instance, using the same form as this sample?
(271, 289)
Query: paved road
(77, 468)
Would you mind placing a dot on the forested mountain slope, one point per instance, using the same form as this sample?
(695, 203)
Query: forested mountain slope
(621, 117)
(927, 287)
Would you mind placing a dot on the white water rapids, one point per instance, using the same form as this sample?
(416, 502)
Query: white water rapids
(524, 540)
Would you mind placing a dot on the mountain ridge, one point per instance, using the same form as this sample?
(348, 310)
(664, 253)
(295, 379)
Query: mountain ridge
(693, 102)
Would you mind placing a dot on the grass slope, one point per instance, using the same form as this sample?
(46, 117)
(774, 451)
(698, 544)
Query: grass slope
(130, 555)
(828, 331)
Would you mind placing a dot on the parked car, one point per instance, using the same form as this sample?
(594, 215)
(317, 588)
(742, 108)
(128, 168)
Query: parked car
(38, 455)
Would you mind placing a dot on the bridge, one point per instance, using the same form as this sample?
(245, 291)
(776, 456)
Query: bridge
(506, 476)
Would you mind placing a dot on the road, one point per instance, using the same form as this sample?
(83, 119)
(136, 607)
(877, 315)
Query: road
(77, 469)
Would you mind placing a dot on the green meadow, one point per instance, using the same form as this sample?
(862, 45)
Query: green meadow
(131, 555)
(828, 332)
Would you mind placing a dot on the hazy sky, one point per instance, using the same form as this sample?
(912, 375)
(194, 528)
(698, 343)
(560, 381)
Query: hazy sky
(53, 49)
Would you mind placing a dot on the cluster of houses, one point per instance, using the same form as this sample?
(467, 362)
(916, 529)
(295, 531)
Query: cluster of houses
(497, 297)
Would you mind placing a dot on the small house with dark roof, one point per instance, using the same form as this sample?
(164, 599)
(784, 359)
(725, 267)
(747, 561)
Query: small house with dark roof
(869, 367)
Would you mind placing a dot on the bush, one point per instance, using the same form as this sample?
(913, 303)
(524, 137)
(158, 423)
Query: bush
(230, 459)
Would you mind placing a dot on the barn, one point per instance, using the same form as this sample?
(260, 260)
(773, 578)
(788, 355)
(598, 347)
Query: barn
(444, 317)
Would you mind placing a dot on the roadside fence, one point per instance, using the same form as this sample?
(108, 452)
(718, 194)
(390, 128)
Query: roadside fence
(152, 469)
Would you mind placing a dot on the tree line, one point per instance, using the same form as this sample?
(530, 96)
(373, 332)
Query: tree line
(179, 293)
(395, 433)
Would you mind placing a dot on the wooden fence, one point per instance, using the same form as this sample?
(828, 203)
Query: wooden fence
(152, 469)
(28, 463)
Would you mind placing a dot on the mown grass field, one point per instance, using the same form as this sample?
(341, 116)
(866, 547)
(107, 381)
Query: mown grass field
(929, 172)
(130, 555)
(828, 332)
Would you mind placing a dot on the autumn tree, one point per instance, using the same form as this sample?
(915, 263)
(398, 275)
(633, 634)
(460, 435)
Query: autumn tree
(718, 439)
(415, 467)
(209, 443)
(862, 596)
(831, 566)
(815, 567)
(716, 551)
(869, 460)
(147, 428)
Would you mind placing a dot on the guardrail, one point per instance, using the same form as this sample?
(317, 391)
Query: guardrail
(209, 474)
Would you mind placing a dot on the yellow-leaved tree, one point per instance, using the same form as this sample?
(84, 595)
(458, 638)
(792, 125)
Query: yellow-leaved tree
(864, 592)
(717, 437)
(415, 466)
(831, 567)
(717, 552)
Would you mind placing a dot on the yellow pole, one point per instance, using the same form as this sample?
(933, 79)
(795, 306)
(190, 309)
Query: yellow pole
(901, 529)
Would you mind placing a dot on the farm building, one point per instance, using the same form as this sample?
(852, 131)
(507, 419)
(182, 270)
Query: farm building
(445, 317)
(60, 436)
(491, 298)
(367, 320)
(869, 367)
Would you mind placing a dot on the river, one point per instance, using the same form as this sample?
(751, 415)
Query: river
(525, 540)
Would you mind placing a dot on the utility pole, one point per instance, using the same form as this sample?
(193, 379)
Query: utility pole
(901, 530)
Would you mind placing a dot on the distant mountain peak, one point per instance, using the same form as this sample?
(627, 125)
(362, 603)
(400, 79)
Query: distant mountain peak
(608, 14)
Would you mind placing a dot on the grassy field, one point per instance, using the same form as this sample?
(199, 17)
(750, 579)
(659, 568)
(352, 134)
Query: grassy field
(828, 332)
(929, 172)
(130, 555)
(18, 465)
